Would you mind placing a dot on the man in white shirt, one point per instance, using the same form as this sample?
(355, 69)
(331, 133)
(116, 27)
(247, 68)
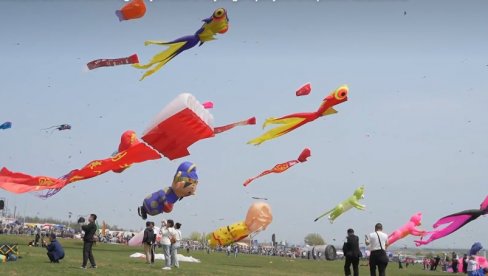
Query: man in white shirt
(377, 242)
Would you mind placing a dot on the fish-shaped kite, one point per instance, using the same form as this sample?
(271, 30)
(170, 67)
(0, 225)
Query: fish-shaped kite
(217, 23)
(453, 223)
(293, 121)
(339, 209)
(279, 168)
(132, 10)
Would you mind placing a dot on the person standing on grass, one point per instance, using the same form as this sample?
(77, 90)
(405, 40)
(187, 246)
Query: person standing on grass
(167, 233)
(377, 242)
(88, 241)
(153, 244)
(352, 253)
(55, 251)
(175, 245)
(147, 241)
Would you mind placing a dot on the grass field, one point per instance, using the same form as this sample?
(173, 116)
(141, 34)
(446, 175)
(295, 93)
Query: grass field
(114, 260)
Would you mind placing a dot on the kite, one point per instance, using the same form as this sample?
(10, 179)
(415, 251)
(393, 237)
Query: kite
(58, 127)
(132, 10)
(279, 168)
(250, 121)
(184, 184)
(262, 198)
(294, 121)
(112, 62)
(217, 23)
(183, 122)
(304, 90)
(352, 201)
(258, 217)
(6, 125)
(454, 222)
(475, 248)
(410, 228)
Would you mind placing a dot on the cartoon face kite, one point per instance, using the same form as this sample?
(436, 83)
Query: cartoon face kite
(184, 184)
(352, 201)
(258, 218)
(293, 121)
(217, 23)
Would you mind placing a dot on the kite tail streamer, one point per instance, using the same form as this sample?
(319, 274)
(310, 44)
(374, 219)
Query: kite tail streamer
(250, 121)
(287, 125)
(323, 215)
(159, 60)
(112, 62)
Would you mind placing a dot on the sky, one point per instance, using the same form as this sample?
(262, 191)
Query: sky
(413, 131)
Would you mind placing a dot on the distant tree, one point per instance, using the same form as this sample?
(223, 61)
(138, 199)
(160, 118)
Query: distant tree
(314, 239)
(195, 236)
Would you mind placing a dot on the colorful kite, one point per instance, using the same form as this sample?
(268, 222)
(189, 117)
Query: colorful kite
(352, 201)
(279, 168)
(112, 62)
(453, 223)
(410, 228)
(6, 125)
(258, 217)
(58, 127)
(180, 124)
(184, 184)
(217, 23)
(294, 121)
(132, 10)
(304, 90)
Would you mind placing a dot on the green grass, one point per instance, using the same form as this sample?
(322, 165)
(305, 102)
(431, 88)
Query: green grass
(114, 260)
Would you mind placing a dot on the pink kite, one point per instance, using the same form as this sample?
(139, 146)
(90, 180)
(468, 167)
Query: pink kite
(304, 90)
(453, 223)
(112, 62)
(410, 228)
(279, 168)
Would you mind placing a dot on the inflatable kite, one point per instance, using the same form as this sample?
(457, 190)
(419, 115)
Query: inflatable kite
(258, 217)
(294, 121)
(352, 201)
(304, 90)
(279, 168)
(132, 10)
(112, 62)
(179, 125)
(6, 125)
(410, 228)
(453, 223)
(217, 23)
(184, 184)
(475, 248)
(59, 127)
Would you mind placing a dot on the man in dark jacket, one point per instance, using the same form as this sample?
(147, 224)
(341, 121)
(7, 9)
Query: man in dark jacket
(88, 241)
(147, 241)
(55, 251)
(352, 253)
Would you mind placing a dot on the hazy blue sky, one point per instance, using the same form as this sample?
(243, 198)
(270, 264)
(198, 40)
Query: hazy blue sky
(414, 130)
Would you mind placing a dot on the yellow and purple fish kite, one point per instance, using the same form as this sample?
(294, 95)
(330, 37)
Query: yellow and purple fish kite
(217, 23)
(296, 120)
